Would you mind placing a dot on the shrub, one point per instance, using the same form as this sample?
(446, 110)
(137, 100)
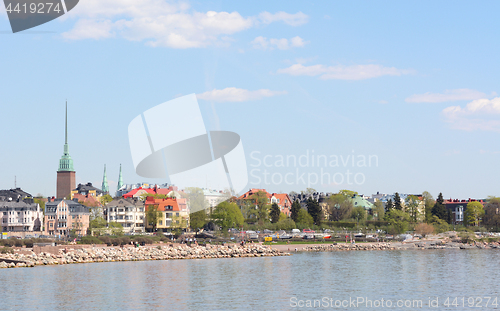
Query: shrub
(8, 243)
(88, 239)
(106, 240)
(29, 243)
(466, 237)
(18, 243)
(424, 229)
(125, 240)
(6, 250)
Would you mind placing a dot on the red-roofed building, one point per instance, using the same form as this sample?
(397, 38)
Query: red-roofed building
(282, 199)
(87, 200)
(135, 193)
(457, 208)
(174, 213)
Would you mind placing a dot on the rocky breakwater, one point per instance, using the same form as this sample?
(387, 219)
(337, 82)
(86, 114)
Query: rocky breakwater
(110, 254)
(349, 247)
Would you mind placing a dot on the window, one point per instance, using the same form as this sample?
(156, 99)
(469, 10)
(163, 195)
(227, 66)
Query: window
(176, 214)
(160, 222)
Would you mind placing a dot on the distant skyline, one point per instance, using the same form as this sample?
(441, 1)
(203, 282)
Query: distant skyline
(413, 86)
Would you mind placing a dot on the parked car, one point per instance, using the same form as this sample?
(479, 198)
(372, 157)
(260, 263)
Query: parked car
(308, 231)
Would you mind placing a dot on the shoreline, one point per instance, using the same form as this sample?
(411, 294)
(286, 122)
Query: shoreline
(68, 255)
(93, 254)
(420, 245)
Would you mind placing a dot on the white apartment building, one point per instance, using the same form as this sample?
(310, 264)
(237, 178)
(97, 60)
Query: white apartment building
(20, 215)
(127, 212)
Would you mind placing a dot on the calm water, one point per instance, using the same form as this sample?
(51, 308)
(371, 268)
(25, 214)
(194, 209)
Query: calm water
(261, 283)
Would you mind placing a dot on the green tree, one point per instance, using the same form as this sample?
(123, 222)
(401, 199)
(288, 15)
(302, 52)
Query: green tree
(309, 191)
(389, 206)
(97, 223)
(491, 218)
(283, 216)
(397, 202)
(348, 193)
(116, 228)
(40, 202)
(275, 213)
(429, 203)
(286, 224)
(105, 199)
(227, 215)
(473, 213)
(358, 213)
(304, 218)
(198, 219)
(261, 200)
(378, 210)
(295, 210)
(412, 203)
(339, 206)
(314, 210)
(153, 215)
(439, 209)
(399, 221)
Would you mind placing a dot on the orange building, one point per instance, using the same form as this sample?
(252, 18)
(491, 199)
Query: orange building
(137, 192)
(174, 213)
(282, 199)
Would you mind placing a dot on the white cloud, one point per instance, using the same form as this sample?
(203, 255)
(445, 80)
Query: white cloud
(448, 95)
(159, 23)
(355, 72)
(91, 29)
(296, 19)
(481, 114)
(232, 94)
(282, 44)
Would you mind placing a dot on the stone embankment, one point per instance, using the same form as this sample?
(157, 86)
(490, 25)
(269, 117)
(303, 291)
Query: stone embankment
(348, 247)
(110, 254)
(399, 246)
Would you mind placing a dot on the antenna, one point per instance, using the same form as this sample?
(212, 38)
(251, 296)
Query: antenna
(15, 182)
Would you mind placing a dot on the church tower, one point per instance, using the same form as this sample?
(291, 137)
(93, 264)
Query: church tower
(120, 179)
(105, 187)
(66, 172)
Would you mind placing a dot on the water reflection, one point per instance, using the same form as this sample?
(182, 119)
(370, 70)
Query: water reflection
(253, 283)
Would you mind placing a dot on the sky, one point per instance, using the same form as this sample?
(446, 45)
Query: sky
(383, 96)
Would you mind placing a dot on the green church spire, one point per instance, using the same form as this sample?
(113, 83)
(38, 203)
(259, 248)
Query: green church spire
(66, 163)
(105, 186)
(120, 179)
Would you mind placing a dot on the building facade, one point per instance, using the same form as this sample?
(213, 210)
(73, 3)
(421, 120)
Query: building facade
(282, 199)
(20, 216)
(63, 216)
(127, 212)
(174, 213)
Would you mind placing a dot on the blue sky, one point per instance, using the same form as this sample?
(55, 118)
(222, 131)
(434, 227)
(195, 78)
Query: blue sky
(412, 83)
